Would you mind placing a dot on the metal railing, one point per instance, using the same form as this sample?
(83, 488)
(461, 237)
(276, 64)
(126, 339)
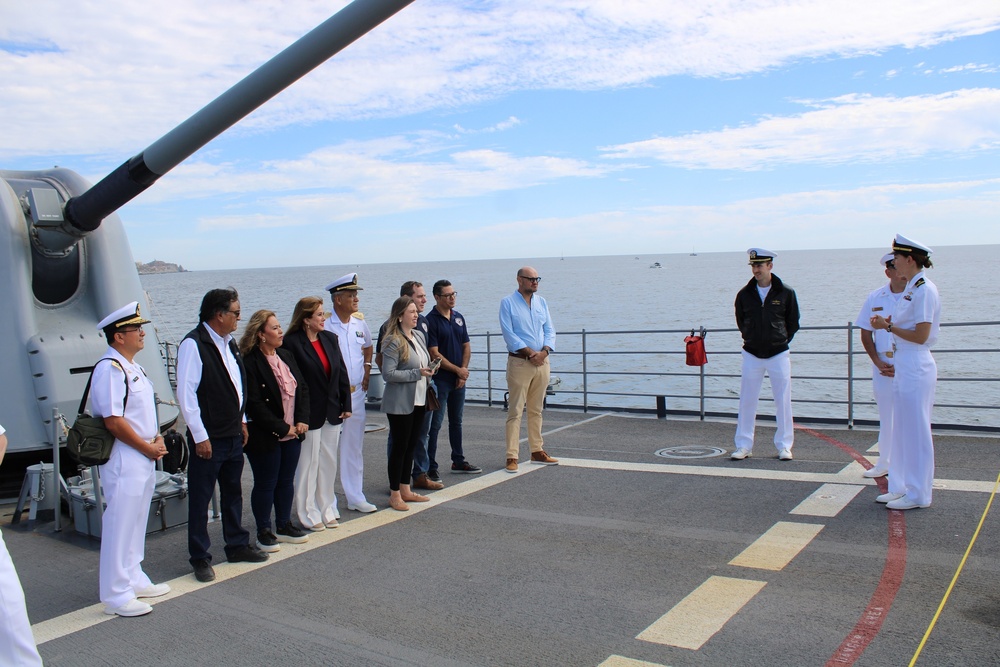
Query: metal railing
(643, 371)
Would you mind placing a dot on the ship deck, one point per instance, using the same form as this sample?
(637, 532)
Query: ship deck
(618, 556)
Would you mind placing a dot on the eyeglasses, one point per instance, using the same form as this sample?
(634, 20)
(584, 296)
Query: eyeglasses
(130, 329)
(234, 312)
(452, 295)
(536, 279)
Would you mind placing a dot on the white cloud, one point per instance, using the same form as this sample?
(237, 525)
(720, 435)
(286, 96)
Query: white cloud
(851, 128)
(106, 78)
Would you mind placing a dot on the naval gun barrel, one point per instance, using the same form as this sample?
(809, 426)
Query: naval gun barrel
(84, 213)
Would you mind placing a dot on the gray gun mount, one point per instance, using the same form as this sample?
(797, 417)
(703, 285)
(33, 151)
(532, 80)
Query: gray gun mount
(65, 259)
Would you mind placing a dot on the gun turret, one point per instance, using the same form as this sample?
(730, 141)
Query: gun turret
(65, 258)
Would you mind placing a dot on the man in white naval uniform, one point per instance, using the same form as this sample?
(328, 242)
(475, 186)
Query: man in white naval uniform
(878, 345)
(123, 395)
(356, 348)
(17, 645)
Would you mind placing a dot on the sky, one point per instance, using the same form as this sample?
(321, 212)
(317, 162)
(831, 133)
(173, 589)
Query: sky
(517, 128)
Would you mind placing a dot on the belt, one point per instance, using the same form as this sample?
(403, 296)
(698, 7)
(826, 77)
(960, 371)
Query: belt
(353, 388)
(519, 355)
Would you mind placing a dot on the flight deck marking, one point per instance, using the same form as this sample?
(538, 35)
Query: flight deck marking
(778, 546)
(622, 661)
(828, 500)
(81, 619)
(696, 618)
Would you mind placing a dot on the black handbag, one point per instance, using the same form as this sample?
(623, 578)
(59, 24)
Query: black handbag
(89, 441)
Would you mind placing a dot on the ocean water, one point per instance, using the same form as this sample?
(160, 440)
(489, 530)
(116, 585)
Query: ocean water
(609, 295)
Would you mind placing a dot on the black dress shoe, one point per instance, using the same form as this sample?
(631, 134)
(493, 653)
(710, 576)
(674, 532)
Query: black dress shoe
(203, 571)
(247, 554)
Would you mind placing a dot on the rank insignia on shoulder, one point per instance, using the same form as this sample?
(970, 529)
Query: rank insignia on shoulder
(918, 283)
(358, 316)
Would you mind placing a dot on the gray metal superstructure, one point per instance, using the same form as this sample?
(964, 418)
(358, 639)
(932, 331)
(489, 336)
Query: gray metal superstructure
(65, 260)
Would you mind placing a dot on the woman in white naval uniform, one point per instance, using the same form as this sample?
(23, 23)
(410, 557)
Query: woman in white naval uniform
(914, 325)
(17, 645)
(129, 475)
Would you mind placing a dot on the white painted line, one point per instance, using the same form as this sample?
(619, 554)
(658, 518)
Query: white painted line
(569, 426)
(778, 546)
(696, 618)
(828, 500)
(737, 472)
(622, 661)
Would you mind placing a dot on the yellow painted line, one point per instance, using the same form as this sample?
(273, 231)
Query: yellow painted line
(81, 619)
(622, 661)
(696, 618)
(828, 500)
(778, 546)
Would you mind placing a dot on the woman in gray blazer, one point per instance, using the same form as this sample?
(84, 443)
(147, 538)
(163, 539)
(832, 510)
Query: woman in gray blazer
(406, 371)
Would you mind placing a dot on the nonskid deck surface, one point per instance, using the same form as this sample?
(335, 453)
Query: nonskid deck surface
(617, 556)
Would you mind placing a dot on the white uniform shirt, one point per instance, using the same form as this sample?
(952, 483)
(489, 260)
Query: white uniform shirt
(880, 302)
(354, 337)
(189, 367)
(920, 303)
(107, 394)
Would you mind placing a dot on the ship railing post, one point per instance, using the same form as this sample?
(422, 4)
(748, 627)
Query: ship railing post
(701, 373)
(850, 375)
(583, 348)
(489, 371)
(56, 473)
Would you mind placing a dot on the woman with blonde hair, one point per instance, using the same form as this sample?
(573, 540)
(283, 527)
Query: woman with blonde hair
(318, 354)
(406, 371)
(277, 412)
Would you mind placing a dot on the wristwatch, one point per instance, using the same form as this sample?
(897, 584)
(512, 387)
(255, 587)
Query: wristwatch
(888, 327)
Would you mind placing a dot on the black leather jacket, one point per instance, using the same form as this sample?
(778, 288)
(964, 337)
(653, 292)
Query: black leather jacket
(767, 327)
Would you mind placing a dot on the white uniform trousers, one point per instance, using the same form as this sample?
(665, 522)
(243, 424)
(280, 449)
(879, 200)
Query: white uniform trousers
(779, 370)
(127, 480)
(912, 463)
(17, 645)
(882, 389)
(352, 461)
(315, 499)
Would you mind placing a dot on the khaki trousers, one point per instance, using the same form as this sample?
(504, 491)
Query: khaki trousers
(526, 384)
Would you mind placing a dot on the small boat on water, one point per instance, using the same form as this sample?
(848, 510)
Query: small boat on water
(655, 265)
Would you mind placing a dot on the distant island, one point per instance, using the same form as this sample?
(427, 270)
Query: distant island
(156, 266)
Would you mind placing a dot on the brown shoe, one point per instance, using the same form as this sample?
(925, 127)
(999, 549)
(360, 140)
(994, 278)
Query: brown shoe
(398, 505)
(415, 498)
(541, 457)
(422, 481)
(511, 465)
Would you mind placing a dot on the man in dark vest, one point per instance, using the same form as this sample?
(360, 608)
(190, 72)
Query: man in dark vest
(211, 386)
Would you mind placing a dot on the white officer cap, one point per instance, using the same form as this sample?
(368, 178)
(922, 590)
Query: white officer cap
(909, 246)
(886, 258)
(123, 317)
(760, 256)
(344, 283)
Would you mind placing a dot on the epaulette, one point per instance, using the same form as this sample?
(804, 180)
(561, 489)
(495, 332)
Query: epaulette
(918, 283)
(358, 316)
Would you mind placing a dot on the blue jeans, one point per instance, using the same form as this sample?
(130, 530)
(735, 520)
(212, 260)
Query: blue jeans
(420, 459)
(452, 400)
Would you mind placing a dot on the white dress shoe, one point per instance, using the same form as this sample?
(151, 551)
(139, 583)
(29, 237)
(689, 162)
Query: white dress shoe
(875, 473)
(133, 607)
(364, 507)
(740, 454)
(153, 591)
(905, 503)
(888, 497)
(785, 455)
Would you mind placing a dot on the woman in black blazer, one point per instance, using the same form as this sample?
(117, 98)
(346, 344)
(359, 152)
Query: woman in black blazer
(318, 355)
(277, 416)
